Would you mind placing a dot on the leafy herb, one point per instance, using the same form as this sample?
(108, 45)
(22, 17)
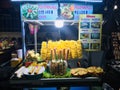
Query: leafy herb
(49, 75)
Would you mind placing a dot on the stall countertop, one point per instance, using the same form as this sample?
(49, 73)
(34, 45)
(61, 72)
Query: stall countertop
(49, 82)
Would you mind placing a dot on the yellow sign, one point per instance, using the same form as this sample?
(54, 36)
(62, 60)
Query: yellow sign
(90, 30)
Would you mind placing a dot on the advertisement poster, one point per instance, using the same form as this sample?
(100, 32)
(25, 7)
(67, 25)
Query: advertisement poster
(71, 11)
(29, 12)
(90, 30)
(39, 12)
(49, 12)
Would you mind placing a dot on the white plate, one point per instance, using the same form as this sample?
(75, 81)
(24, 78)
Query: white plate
(26, 71)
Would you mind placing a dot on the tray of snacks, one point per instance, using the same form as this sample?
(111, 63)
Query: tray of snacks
(92, 71)
(32, 71)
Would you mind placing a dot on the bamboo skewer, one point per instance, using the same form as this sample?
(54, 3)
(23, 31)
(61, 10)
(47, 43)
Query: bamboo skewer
(38, 67)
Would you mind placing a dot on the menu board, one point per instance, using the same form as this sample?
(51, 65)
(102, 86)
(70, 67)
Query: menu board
(90, 30)
(49, 12)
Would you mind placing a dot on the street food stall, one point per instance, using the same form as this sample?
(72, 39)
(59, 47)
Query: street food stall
(59, 56)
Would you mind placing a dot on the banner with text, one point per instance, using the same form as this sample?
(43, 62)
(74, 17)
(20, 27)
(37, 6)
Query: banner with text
(39, 11)
(49, 12)
(71, 11)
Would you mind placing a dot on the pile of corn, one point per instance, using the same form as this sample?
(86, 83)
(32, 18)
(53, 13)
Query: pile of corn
(68, 49)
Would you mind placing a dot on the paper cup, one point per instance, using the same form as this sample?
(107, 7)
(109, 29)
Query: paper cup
(19, 53)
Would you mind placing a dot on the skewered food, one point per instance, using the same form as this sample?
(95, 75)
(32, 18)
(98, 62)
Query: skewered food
(19, 72)
(58, 67)
(38, 67)
(32, 67)
(71, 47)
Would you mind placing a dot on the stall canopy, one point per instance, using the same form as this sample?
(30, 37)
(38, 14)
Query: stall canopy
(45, 12)
(63, 0)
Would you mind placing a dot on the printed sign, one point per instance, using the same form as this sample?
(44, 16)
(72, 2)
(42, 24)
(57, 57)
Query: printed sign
(49, 12)
(39, 11)
(72, 11)
(90, 30)
(29, 12)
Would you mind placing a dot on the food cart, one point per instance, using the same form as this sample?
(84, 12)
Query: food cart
(36, 17)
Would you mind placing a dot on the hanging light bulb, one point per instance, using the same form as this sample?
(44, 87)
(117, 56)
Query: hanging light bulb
(59, 23)
(115, 6)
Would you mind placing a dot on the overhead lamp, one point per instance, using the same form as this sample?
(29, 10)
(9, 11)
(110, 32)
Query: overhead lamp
(115, 5)
(59, 23)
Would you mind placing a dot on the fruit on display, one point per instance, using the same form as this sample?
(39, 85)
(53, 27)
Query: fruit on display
(57, 52)
(33, 71)
(34, 68)
(32, 56)
(62, 49)
(44, 50)
(3, 44)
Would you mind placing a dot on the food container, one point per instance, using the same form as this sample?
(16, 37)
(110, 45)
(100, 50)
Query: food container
(15, 62)
(58, 67)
